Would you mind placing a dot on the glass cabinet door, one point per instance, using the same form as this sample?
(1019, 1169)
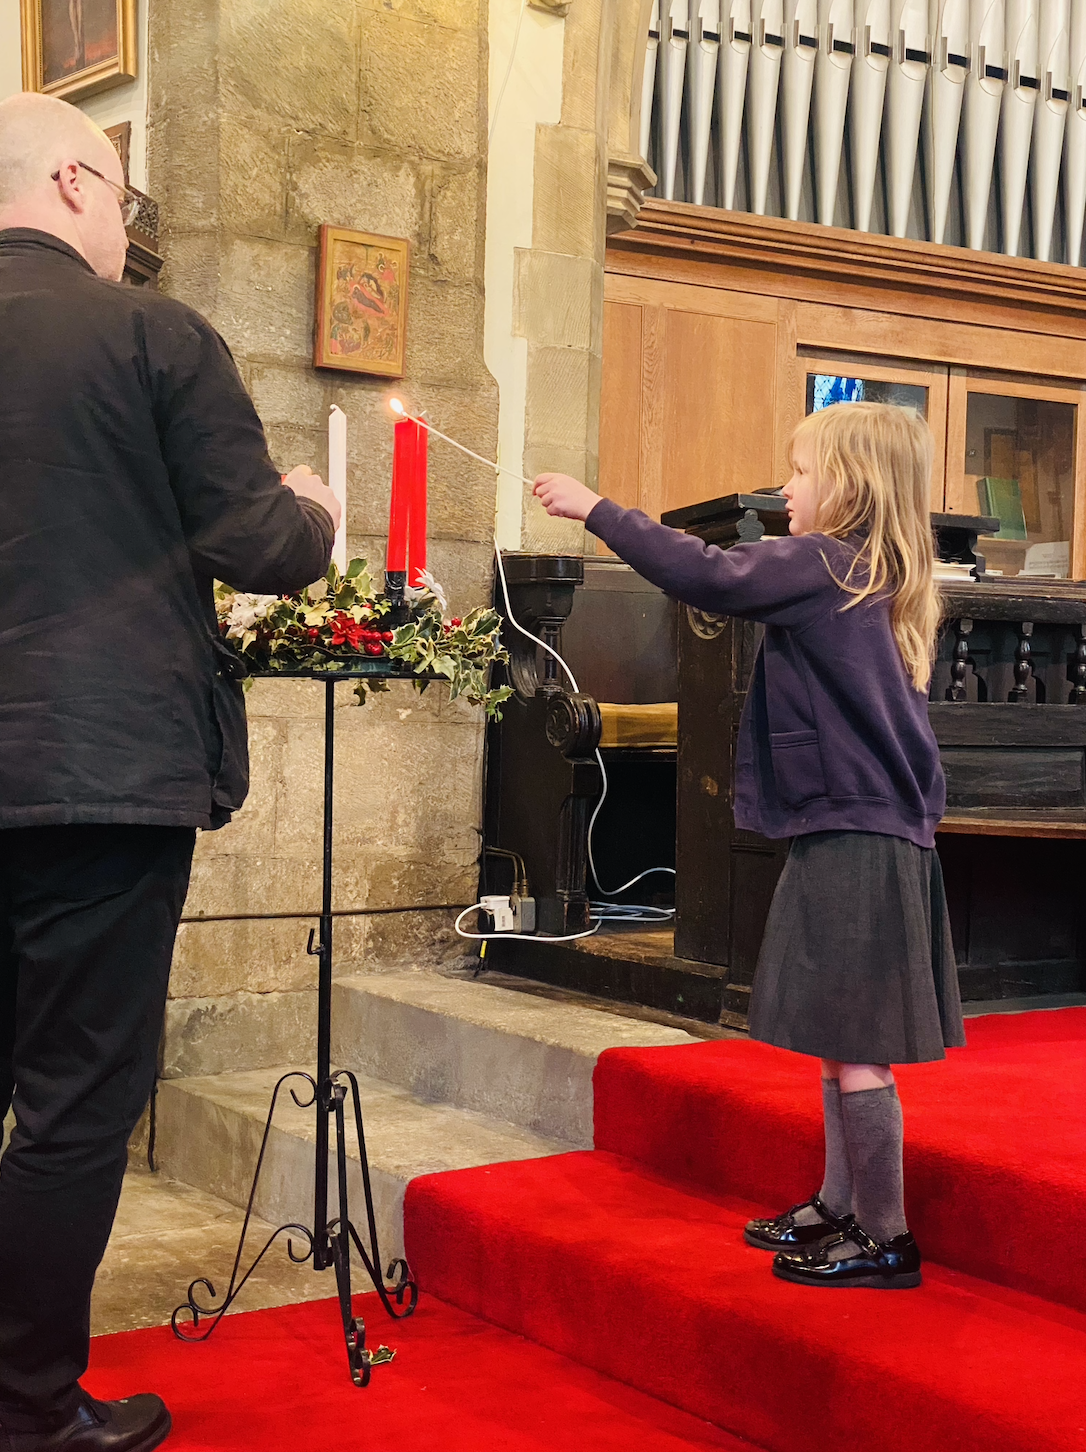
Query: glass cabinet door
(845, 378)
(1017, 452)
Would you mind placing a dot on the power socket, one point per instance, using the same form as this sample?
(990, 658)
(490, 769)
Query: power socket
(523, 914)
(501, 911)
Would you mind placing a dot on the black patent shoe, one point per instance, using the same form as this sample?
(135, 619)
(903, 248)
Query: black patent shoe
(135, 1424)
(891, 1266)
(784, 1234)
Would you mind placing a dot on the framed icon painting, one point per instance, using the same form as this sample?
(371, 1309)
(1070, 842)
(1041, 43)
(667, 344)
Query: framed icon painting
(361, 320)
(75, 48)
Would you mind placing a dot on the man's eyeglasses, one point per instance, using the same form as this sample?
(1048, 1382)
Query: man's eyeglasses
(127, 199)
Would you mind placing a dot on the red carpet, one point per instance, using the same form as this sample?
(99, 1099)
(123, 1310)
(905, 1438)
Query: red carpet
(631, 1261)
(995, 1138)
(276, 1381)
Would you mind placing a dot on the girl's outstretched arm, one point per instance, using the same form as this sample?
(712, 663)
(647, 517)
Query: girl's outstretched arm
(783, 581)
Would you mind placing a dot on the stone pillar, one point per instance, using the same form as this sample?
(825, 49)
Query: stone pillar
(269, 117)
(585, 167)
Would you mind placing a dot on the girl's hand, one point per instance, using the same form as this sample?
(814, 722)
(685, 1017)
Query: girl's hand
(564, 496)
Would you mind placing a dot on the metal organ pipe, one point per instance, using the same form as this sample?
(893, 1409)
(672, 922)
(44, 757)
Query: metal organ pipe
(763, 82)
(832, 72)
(797, 80)
(949, 21)
(731, 90)
(904, 105)
(674, 38)
(1016, 118)
(648, 80)
(868, 92)
(1074, 146)
(701, 62)
(1050, 118)
(980, 124)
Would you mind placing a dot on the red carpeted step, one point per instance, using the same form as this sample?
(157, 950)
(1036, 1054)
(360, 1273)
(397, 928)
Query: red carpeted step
(624, 1272)
(995, 1138)
(276, 1381)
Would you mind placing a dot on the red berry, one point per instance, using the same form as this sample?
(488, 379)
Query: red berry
(456, 621)
(372, 649)
(386, 636)
(312, 632)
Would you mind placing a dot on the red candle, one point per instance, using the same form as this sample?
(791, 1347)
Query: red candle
(403, 463)
(416, 542)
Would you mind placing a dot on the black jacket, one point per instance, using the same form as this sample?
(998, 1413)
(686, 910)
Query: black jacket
(133, 472)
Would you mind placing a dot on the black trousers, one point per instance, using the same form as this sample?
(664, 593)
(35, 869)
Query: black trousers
(88, 917)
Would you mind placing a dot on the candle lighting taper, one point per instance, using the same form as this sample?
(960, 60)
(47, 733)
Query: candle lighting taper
(397, 407)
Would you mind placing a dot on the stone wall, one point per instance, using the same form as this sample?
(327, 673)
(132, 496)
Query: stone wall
(267, 118)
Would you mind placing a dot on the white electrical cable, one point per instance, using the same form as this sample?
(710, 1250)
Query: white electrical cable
(521, 937)
(398, 408)
(508, 72)
(612, 891)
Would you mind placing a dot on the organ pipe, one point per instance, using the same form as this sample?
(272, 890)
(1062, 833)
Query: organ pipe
(1049, 118)
(731, 90)
(980, 123)
(949, 22)
(674, 38)
(999, 83)
(1074, 146)
(904, 105)
(701, 59)
(1016, 116)
(762, 85)
(797, 80)
(648, 80)
(866, 101)
(832, 71)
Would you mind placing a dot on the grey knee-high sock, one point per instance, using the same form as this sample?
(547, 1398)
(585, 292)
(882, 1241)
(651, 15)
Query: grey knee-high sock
(873, 1132)
(836, 1191)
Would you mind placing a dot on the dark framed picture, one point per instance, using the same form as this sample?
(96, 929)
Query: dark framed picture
(74, 48)
(121, 137)
(361, 320)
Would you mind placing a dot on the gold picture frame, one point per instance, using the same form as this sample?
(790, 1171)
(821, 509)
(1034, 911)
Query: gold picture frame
(76, 48)
(361, 313)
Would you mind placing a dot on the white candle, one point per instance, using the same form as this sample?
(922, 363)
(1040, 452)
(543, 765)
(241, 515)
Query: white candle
(337, 480)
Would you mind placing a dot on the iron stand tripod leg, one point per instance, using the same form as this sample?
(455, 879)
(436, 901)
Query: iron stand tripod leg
(328, 1242)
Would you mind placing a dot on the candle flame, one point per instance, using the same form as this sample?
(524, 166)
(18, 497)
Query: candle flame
(397, 407)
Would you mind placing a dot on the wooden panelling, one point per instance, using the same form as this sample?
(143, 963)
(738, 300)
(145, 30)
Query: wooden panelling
(858, 330)
(885, 274)
(620, 403)
(715, 430)
(722, 299)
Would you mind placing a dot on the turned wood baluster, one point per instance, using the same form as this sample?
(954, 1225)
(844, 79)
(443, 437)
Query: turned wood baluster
(960, 664)
(1078, 690)
(1022, 663)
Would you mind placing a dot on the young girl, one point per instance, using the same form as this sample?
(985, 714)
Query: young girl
(836, 752)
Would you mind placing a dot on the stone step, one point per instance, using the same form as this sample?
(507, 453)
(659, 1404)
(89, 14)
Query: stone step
(209, 1131)
(513, 1056)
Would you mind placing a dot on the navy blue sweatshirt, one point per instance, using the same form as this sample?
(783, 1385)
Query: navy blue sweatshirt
(834, 735)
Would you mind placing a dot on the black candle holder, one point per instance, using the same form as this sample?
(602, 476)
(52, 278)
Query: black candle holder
(328, 1241)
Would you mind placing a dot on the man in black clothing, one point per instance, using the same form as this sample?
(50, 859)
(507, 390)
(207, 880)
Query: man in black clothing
(133, 472)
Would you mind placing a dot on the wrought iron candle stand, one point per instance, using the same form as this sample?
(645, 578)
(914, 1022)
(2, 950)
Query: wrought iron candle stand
(328, 1242)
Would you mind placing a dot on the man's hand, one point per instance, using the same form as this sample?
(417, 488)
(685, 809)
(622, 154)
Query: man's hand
(308, 485)
(564, 496)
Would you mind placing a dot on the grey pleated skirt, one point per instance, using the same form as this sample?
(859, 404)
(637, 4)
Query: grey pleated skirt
(857, 962)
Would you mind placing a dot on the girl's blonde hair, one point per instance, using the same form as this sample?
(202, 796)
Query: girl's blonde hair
(873, 467)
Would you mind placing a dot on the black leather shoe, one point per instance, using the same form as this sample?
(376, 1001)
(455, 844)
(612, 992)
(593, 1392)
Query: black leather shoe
(784, 1234)
(134, 1425)
(892, 1266)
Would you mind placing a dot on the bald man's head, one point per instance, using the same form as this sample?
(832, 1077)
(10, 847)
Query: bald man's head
(37, 133)
(40, 136)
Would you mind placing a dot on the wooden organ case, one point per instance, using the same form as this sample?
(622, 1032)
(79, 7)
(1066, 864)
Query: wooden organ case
(721, 330)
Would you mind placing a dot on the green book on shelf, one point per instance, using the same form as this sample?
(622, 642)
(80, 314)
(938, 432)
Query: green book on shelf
(1003, 498)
